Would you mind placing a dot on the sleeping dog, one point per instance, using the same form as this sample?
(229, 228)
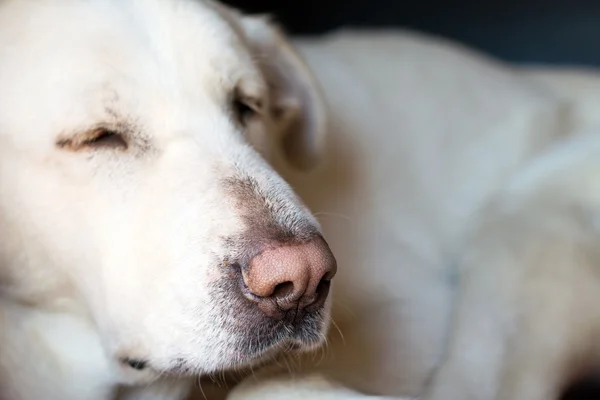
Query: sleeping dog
(163, 164)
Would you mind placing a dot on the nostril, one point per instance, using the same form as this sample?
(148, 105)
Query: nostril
(328, 276)
(320, 295)
(283, 290)
(289, 277)
(323, 285)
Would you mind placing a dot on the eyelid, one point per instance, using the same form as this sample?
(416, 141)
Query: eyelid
(254, 103)
(101, 136)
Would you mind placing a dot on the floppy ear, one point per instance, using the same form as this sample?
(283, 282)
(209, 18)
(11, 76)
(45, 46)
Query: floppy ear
(297, 106)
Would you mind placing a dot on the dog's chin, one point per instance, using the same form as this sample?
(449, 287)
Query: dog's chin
(257, 350)
(252, 338)
(272, 357)
(253, 348)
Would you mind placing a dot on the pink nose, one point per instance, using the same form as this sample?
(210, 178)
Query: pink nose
(296, 277)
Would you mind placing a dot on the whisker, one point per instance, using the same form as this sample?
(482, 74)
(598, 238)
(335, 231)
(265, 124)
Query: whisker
(225, 384)
(339, 331)
(323, 353)
(346, 309)
(199, 381)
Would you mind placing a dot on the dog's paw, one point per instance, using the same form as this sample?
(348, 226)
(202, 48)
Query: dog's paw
(285, 387)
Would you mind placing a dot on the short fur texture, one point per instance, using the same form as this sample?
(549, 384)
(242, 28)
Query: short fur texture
(458, 194)
(134, 186)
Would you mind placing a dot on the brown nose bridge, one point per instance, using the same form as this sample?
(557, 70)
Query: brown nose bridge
(269, 219)
(285, 263)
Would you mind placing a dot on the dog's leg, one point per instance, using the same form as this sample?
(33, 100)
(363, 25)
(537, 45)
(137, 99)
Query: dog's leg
(286, 387)
(527, 311)
(479, 338)
(161, 390)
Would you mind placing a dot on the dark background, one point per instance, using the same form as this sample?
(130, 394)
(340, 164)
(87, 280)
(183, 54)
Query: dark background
(530, 31)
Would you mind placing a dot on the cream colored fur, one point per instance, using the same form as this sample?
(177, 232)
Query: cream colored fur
(117, 252)
(459, 195)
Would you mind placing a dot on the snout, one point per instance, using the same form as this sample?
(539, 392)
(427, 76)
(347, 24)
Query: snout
(285, 281)
(261, 289)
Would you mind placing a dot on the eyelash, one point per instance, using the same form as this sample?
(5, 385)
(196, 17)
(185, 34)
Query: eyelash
(243, 111)
(245, 108)
(107, 138)
(98, 138)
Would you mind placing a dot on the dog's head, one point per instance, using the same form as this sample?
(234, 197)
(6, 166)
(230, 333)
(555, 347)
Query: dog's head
(135, 186)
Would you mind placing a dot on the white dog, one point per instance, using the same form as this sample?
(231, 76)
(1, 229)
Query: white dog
(145, 238)
(474, 185)
(143, 234)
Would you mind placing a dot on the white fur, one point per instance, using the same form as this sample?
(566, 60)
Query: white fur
(109, 254)
(428, 141)
(442, 170)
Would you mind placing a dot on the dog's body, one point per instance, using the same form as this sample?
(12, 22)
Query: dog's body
(453, 130)
(427, 142)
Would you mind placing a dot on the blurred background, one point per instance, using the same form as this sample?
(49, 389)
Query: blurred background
(558, 32)
(528, 31)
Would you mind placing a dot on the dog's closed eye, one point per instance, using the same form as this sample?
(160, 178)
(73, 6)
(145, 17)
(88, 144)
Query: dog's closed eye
(245, 108)
(94, 139)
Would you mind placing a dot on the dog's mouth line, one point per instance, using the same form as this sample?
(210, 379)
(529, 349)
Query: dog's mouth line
(265, 357)
(283, 346)
(235, 374)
